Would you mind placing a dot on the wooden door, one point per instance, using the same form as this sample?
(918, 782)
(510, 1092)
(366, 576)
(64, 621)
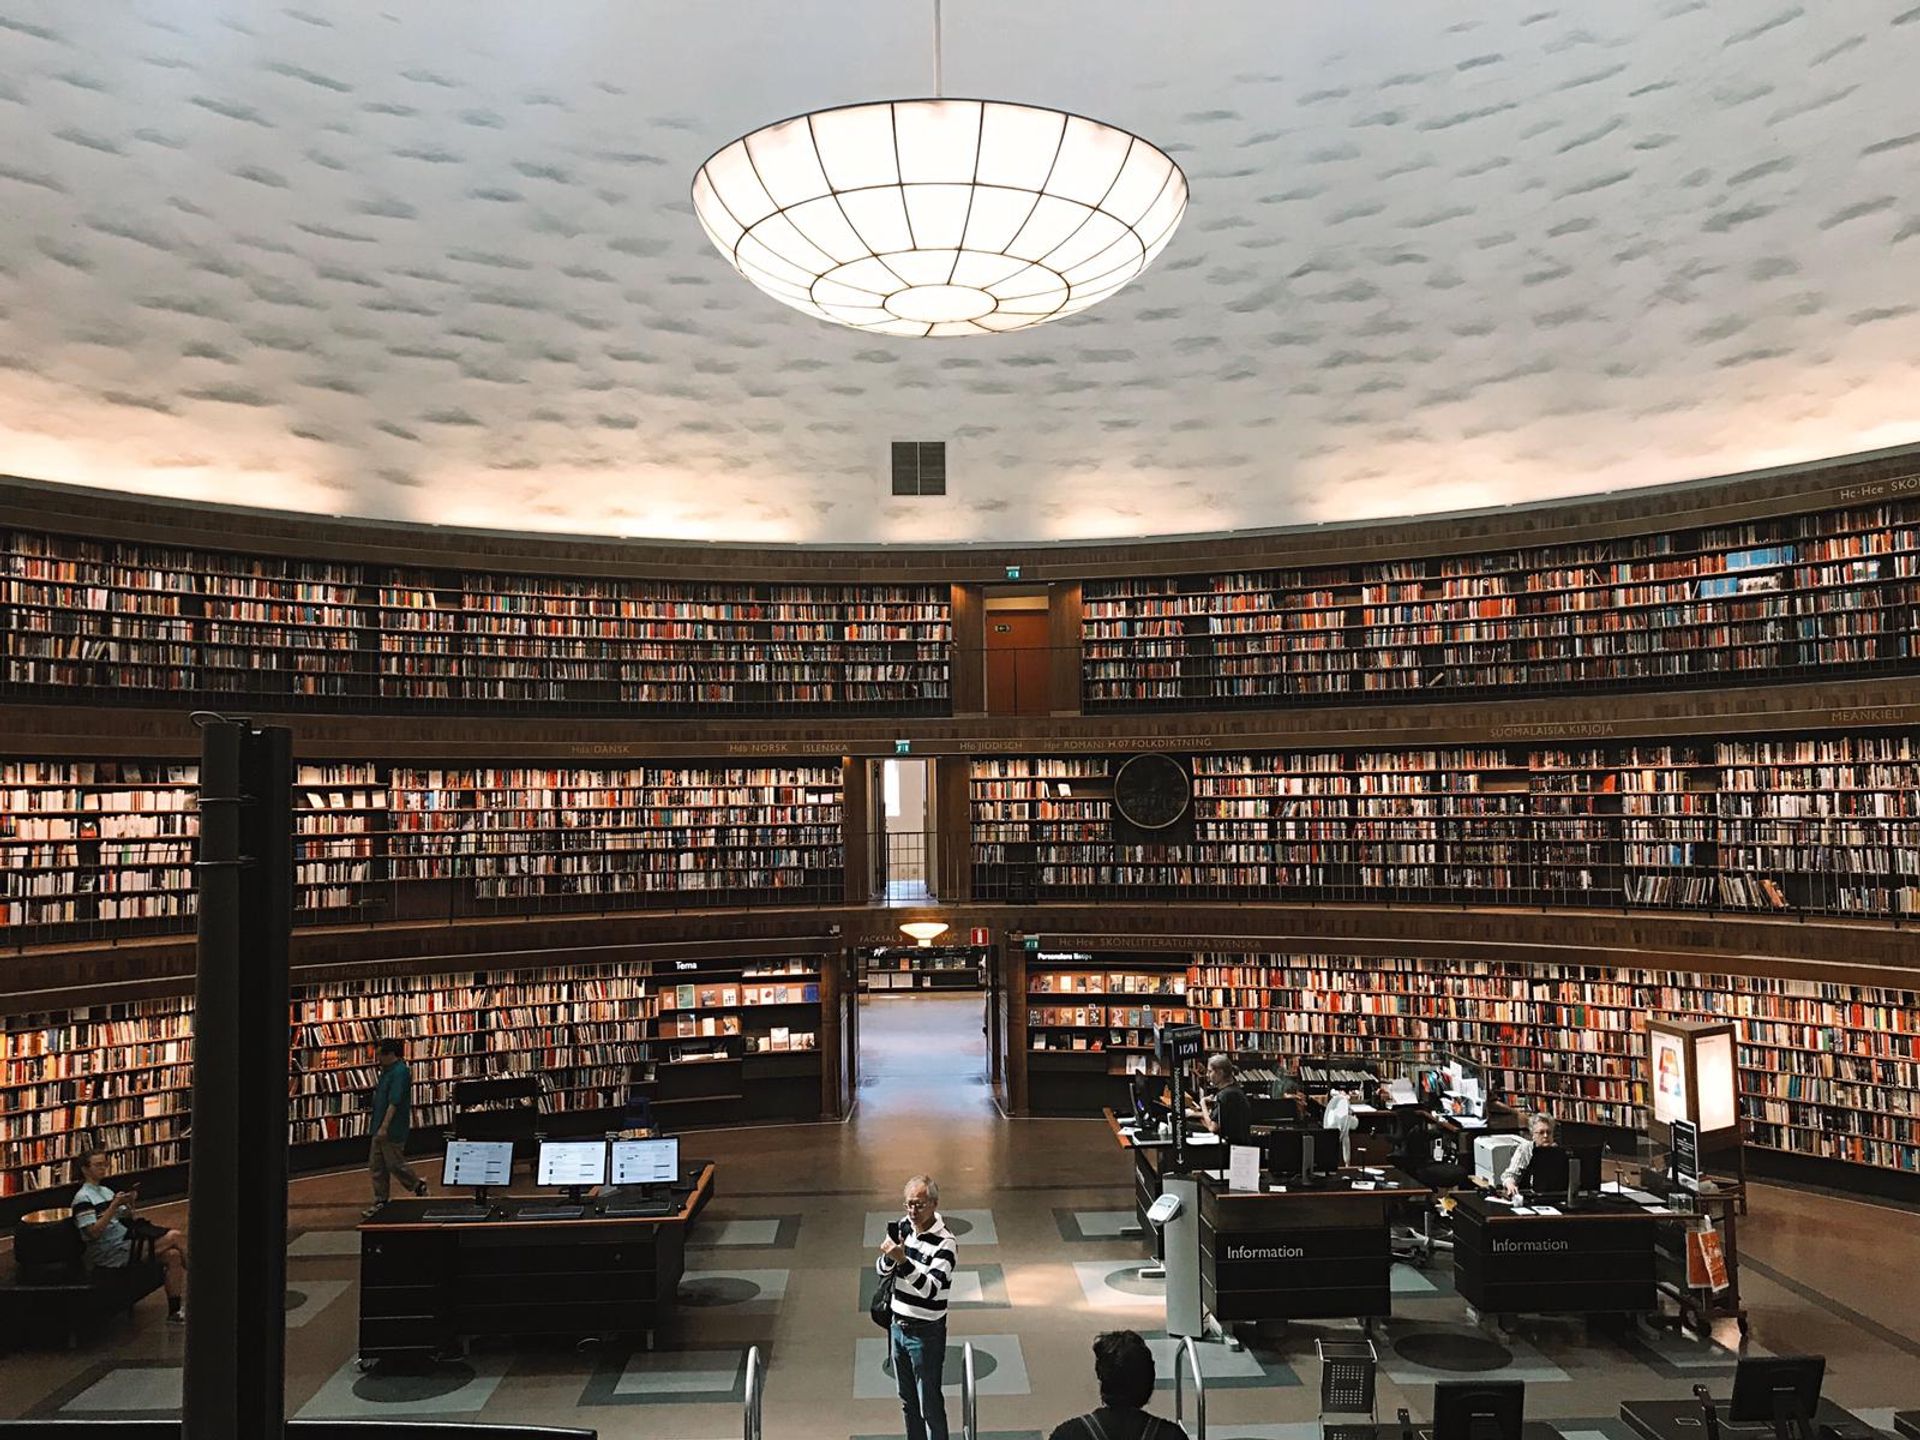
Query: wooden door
(1018, 663)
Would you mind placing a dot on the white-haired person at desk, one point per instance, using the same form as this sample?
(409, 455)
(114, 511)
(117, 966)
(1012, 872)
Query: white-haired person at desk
(1540, 1131)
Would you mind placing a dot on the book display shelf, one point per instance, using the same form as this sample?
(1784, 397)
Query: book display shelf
(1823, 594)
(106, 848)
(84, 619)
(901, 969)
(1089, 1024)
(1824, 824)
(597, 1036)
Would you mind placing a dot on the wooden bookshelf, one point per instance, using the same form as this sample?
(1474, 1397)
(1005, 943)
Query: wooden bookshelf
(1827, 1071)
(121, 1075)
(1813, 825)
(86, 618)
(1086, 1025)
(105, 848)
(1827, 593)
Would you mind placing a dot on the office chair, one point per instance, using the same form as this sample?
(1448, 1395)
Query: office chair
(1418, 1152)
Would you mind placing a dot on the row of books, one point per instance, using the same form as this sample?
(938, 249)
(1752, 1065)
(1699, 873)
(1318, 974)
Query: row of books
(121, 1074)
(86, 614)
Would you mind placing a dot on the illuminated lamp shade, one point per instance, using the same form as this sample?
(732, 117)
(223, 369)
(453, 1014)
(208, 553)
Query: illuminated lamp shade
(924, 931)
(939, 217)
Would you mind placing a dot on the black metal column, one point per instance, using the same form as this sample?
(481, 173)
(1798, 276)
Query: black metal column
(236, 1309)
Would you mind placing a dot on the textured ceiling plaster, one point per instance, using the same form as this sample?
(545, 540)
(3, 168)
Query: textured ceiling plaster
(436, 261)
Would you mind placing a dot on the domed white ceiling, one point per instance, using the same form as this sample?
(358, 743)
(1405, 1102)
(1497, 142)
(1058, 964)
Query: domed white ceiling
(435, 261)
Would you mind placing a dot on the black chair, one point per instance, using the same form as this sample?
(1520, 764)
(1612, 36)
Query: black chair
(1431, 1155)
(51, 1293)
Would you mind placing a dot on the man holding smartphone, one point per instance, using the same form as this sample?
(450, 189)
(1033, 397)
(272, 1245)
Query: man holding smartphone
(919, 1252)
(109, 1227)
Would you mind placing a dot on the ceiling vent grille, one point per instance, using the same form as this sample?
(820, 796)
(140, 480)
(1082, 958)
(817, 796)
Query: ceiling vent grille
(919, 467)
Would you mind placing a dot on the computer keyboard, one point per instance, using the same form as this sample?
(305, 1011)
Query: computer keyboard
(448, 1217)
(553, 1212)
(641, 1210)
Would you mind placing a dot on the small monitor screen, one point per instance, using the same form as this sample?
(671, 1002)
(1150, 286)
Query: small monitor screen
(646, 1162)
(478, 1163)
(572, 1162)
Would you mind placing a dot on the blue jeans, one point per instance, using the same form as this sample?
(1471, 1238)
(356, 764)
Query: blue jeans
(919, 1357)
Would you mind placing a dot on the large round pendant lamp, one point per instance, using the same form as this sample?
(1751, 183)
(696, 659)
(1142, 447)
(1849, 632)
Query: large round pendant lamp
(939, 217)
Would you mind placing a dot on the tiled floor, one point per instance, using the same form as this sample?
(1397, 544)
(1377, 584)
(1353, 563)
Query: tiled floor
(783, 1261)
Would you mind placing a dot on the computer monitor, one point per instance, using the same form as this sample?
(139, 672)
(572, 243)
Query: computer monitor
(572, 1165)
(1479, 1409)
(478, 1165)
(1548, 1172)
(1783, 1390)
(1584, 1164)
(1147, 1109)
(1302, 1154)
(646, 1162)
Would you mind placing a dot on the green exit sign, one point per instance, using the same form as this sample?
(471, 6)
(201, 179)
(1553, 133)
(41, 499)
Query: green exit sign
(1013, 572)
(903, 747)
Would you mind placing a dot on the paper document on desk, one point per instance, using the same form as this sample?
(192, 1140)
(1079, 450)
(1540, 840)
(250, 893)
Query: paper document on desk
(1401, 1092)
(1469, 1122)
(1203, 1138)
(1358, 1109)
(1243, 1167)
(1540, 1210)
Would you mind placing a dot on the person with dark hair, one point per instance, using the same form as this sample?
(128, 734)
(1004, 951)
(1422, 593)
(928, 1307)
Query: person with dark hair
(1123, 1365)
(111, 1231)
(391, 1101)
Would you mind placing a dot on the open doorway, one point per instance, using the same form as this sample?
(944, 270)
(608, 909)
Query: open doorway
(902, 827)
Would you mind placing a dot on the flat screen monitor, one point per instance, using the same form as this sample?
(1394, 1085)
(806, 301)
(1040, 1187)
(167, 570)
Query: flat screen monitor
(1548, 1171)
(572, 1163)
(1782, 1390)
(1479, 1409)
(646, 1162)
(1583, 1163)
(1288, 1150)
(478, 1164)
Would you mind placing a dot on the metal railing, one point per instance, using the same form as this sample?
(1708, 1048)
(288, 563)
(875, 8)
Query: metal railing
(1189, 1353)
(969, 1395)
(756, 1395)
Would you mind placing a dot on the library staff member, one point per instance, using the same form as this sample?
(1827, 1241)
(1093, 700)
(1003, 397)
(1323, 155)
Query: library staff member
(921, 1262)
(1539, 1133)
(1227, 1112)
(390, 1104)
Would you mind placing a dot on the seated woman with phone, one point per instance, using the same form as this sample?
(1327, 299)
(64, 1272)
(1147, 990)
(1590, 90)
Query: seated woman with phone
(112, 1231)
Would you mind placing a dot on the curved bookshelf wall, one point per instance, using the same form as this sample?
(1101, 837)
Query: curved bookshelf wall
(569, 740)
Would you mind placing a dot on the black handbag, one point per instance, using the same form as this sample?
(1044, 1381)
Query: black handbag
(882, 1308)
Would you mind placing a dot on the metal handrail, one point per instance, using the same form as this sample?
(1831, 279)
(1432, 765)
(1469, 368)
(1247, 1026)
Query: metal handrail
(969, 1395)
(1191, 1354)
(756, 1394)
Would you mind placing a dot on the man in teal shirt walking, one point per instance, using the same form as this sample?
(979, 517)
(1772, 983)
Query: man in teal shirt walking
(390, 1103)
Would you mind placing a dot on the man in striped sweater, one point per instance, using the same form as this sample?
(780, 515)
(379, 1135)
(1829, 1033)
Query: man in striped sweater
(921, 1262)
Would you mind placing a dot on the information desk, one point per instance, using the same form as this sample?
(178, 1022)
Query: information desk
(1151, 1159)
(1680, 1420)
(1589, 1261)
(1301, 1254)
(425, 1284)
(1907, 1422)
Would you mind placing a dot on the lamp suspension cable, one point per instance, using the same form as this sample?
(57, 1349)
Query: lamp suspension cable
(939, 87)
